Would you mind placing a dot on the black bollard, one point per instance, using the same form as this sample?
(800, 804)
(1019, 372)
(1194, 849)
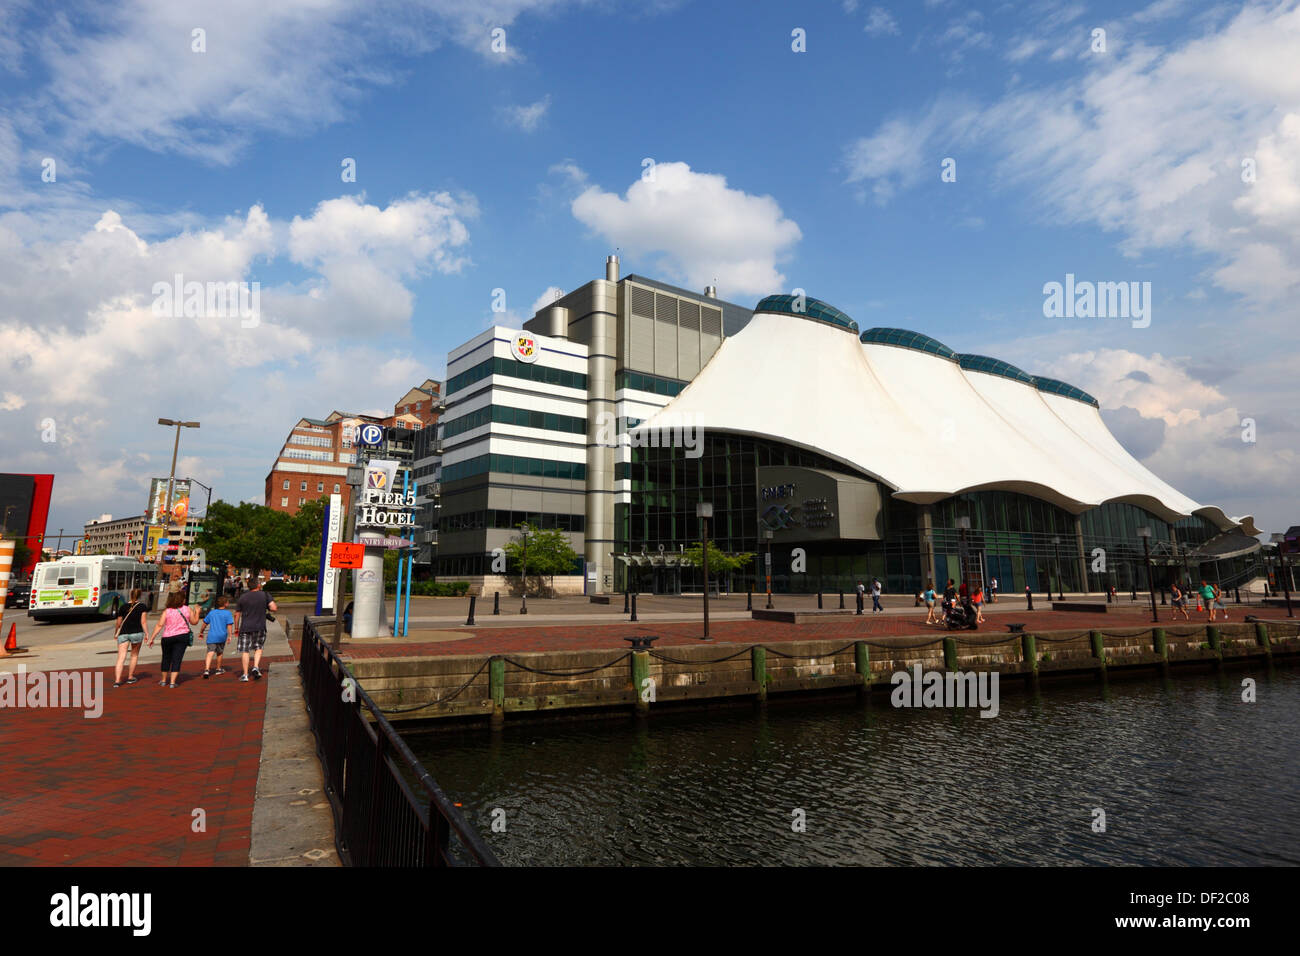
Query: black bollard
(634, 605)
(1238, 593)
(469, 621)
(1029, 596)
(1134, 595)
(749, 600)
(1163, 595)
(496, 602)
(819, 600)
(1110, 595)
(626, 606)
(769, 600)
(841, 600)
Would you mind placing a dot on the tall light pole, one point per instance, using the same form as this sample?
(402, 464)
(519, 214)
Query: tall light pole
(1280, 539)
(1145, 534)
(768, 536)
(704, 511)
(523, 532)
(176, 446)
(1060, 589)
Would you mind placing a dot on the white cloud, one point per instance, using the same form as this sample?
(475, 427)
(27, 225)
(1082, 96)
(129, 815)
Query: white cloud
(880, 23)
(11, 402)
(527, 118)
(546, 298)
(702, 230)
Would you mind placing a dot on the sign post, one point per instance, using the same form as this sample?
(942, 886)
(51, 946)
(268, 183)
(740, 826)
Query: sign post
(331, 530)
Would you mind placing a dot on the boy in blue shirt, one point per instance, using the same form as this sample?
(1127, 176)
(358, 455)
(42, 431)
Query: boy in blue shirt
(217, 624)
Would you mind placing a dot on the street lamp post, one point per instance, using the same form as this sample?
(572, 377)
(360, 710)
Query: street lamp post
(171, 477)
(523, 532)
(1282, 574)
(704, 511)
(1145, 534)
(768, 536)
(1060, 587)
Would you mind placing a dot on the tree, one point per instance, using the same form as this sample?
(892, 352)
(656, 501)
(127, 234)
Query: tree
(308, 523)
(249, 536)
(720, 562)
(21, 553)
(549, 554)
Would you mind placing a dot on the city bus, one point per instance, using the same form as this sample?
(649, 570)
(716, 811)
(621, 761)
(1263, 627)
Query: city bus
(89, 584)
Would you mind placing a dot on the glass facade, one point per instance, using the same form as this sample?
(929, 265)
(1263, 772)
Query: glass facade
(1018, 539)
(504, 415)
(514, 465)
(508, 366)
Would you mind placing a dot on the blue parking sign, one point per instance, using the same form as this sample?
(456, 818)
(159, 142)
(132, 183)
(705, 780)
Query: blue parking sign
(370, 434)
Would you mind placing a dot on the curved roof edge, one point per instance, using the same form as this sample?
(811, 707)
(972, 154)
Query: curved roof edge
(806, 307)
(907, 339)
(1065, 389)
(992, 366)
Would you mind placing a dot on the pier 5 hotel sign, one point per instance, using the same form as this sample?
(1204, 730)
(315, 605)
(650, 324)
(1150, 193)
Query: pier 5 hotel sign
(380, 505)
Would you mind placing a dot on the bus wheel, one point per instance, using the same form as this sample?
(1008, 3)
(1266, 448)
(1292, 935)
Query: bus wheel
(113, 612)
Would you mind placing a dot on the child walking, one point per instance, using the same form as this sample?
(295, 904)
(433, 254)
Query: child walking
(217, 625)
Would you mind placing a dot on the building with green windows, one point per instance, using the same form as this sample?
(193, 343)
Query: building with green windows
(830, 453)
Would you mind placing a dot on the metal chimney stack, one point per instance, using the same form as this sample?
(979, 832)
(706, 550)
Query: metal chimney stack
(611, 269)
(711, 291)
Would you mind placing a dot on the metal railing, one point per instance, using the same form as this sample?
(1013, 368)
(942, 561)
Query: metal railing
(380, 819)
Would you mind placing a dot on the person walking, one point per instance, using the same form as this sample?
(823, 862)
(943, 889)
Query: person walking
(132, 625)
(1219, 604)
(993, 590)
(250, 624)
(861, 596)
(217, 625)
(875, 596)
(176, 636)
(1179, 601)
(1207, 597)
(978, 601)
(929, 597)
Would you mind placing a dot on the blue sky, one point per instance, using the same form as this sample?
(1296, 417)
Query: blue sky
(522, 168)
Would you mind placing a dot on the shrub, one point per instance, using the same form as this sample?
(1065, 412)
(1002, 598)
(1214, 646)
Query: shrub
(440, 588)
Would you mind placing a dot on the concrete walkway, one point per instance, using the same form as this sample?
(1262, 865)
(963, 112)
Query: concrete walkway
(213, 773)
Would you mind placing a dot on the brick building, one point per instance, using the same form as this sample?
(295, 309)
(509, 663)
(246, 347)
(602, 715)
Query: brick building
(313, 461)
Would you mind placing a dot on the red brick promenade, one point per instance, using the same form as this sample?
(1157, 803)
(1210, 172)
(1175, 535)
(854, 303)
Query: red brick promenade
(504, 640)
(121, 789)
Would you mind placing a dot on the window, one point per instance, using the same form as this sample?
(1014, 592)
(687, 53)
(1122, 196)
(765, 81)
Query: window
(302, 487)
(284, 502)
(301, 502)
(320, 486)
(286, 484)
(336, 487)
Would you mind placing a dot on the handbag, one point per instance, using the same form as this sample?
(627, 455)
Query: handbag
(189, 630)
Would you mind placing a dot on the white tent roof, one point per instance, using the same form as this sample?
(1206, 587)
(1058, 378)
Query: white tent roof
(919, 422)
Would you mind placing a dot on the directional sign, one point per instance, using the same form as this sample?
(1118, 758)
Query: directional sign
(370, 435)
(346, 555)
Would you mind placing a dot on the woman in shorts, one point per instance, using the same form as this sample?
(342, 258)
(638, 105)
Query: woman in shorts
(132, 624)
(1218, 601)
(175, 626)
(929, 598)
(1180, 602)
(978, 601)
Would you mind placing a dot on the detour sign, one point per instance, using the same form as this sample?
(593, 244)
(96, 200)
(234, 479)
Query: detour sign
(345, 555)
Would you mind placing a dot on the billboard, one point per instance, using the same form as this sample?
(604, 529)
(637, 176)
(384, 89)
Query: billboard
(158, 501)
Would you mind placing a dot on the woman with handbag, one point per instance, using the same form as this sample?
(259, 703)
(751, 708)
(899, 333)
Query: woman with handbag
(175, 627)
(132, 625)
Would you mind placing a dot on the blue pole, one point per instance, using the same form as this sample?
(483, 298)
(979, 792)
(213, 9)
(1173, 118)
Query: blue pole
(397, 600)
(410, 571)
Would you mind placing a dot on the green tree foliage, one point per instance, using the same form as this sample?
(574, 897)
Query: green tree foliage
(21, 552)
(720, 562)
(250, 536)
(549, 554)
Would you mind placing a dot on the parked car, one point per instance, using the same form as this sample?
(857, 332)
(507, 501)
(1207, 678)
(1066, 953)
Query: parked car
(20, 594)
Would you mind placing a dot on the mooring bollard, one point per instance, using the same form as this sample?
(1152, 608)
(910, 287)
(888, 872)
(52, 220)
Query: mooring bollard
(1029, 651)
(758, 667)
(819, 600)
(1098, 643)
(1161, 643)
(950, 653)
(497, 689)
(1261, 637)
(640, 677)
(634, 605)
(469, 620)
(496, 602)
(1029, 596)
(1216, 642)
(862, 663)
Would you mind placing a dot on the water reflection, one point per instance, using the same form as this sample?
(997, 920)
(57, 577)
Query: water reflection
(1186, 773)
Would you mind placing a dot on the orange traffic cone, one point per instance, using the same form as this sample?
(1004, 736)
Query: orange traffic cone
(11, 645)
